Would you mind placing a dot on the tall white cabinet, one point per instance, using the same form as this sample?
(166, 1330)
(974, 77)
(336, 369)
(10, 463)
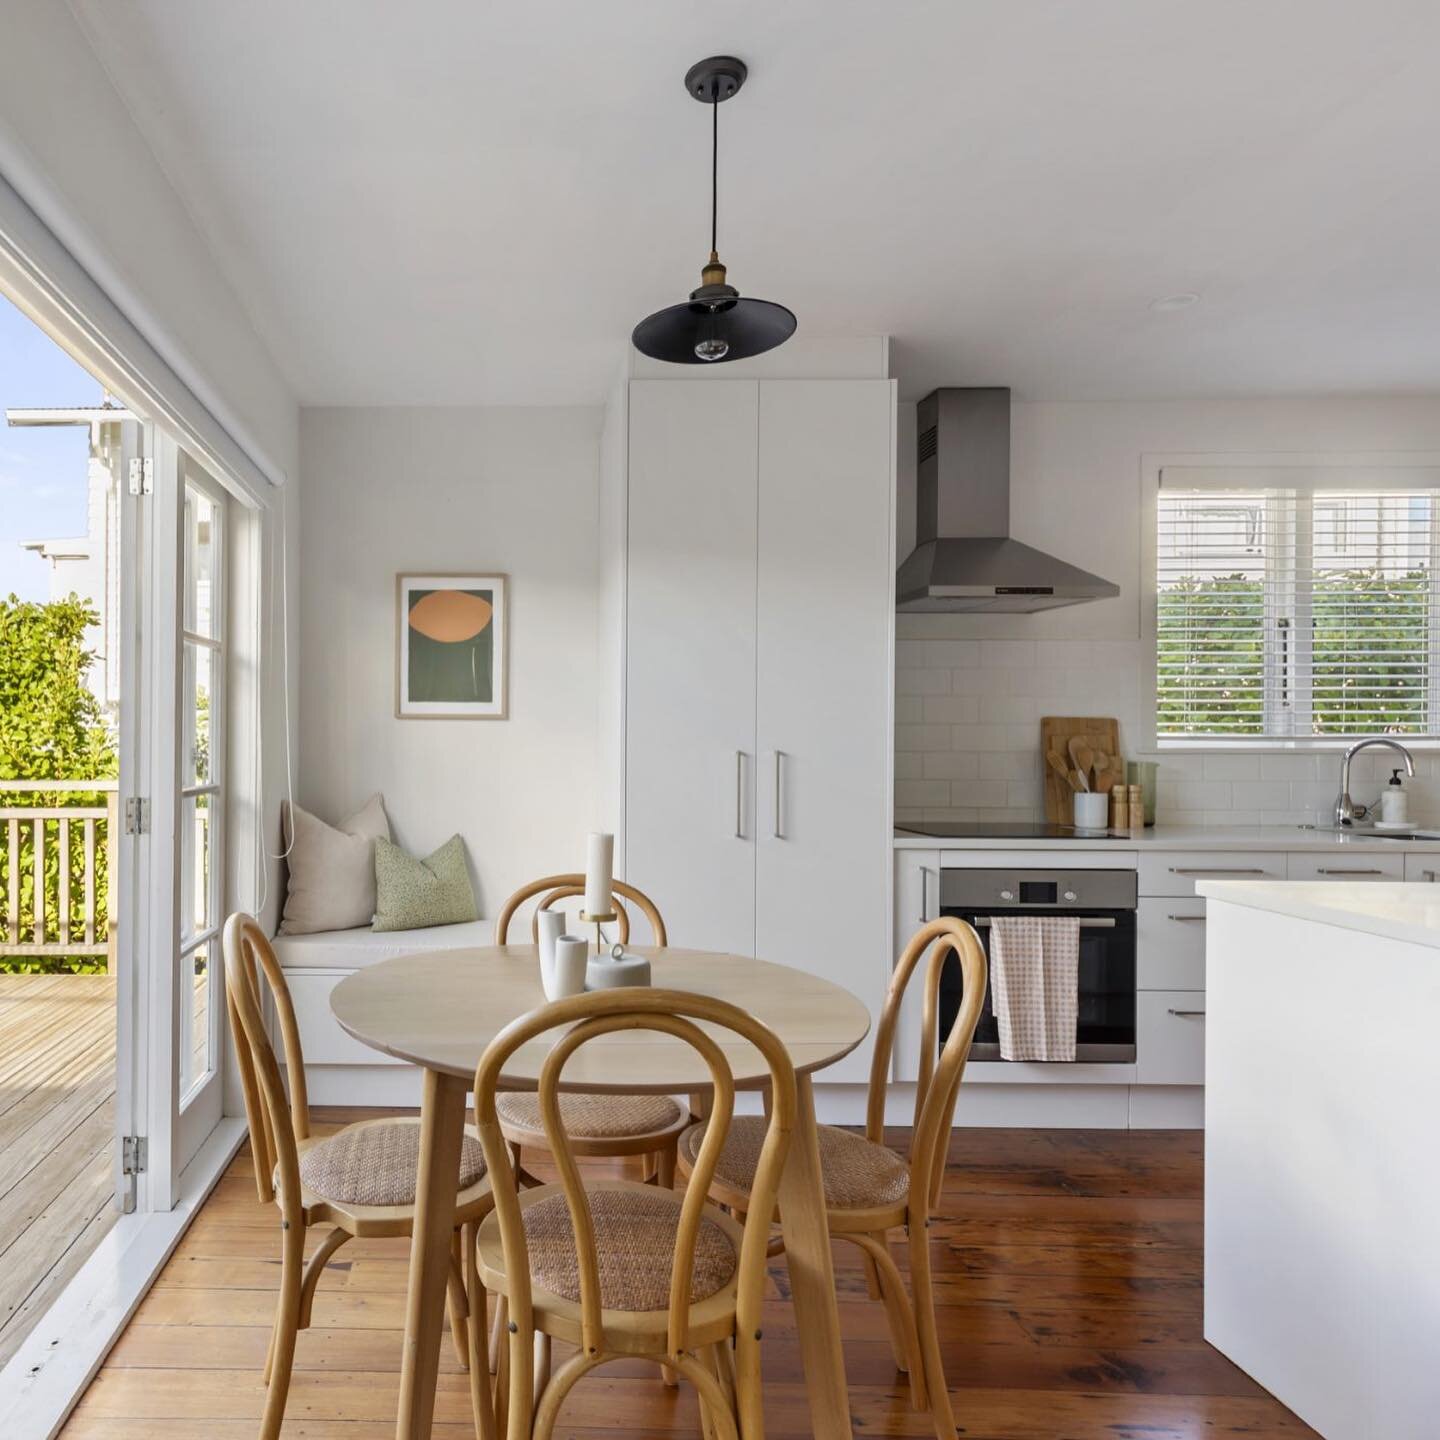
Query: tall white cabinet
(759, 624)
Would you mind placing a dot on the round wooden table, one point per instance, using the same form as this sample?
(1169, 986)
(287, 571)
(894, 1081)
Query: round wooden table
(440, 1009)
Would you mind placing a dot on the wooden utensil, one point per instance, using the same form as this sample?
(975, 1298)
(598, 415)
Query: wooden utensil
(1083, 756)
(1053, 759)
(1104, 773)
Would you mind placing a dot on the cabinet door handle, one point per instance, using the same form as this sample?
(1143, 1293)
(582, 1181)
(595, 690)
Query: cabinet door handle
(739, 794)
(1188, 919)
(1188, 1014)
(1184, 870)
(1324, 870)
(924, 894)
(1428, 875)
(778, 828)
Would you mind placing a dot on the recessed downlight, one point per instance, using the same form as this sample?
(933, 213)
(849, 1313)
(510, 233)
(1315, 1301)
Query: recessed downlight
(1182, 300)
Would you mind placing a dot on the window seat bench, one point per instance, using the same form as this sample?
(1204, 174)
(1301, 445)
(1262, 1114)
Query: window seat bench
(340, 1070)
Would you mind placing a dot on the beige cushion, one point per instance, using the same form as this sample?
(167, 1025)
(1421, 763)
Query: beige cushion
(377, 1164)
(332, 869)
(634, 1248)
(858, 1174)
(591, 1117)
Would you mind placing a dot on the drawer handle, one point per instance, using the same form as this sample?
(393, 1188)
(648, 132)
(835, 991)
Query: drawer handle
(1324, 870)
(1188, 1014)
(1183, 870)
(1188, 919)
(1428, 875)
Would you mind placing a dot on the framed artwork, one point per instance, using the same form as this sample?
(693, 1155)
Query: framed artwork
(451, 647)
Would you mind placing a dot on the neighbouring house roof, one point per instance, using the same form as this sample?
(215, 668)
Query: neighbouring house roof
(65, 414)
(77, 549)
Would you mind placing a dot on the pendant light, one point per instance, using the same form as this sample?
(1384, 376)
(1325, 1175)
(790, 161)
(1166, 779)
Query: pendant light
(716, 323)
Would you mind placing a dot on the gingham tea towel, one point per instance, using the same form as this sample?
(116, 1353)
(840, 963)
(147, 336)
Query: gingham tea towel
(1035, 980)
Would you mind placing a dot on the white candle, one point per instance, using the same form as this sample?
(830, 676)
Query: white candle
(599, 870)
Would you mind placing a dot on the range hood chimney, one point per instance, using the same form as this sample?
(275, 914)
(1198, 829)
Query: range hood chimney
(964, 558)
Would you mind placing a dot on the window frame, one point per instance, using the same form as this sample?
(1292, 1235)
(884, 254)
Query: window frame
(1151, 468)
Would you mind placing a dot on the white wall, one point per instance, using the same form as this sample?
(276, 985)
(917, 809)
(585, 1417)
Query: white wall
(458, 490)
(972, 688)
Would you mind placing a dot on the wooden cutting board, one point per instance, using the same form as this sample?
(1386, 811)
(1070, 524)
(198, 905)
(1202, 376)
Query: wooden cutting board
(1056, 731)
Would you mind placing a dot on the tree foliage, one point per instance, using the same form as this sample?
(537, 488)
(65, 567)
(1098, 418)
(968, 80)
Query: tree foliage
(1369, 662)
(51, 728)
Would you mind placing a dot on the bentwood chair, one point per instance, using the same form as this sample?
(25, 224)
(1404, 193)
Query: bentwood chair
(621, 1268)
(360, 1181)
(869, 1190)
(597, 1125)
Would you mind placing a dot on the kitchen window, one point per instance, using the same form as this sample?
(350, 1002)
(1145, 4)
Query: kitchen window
(1296, 605)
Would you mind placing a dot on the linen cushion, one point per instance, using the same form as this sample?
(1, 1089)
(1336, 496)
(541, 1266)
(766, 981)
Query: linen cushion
(634, 1247)
(856, 1173)
(411, 894)
(377, 1164)
(332, 868)
(591, 1117)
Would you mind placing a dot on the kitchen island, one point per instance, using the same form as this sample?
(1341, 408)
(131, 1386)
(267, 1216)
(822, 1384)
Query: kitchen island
(1322, 1167)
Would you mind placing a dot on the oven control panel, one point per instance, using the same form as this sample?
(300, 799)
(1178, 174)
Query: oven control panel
(1038, 889)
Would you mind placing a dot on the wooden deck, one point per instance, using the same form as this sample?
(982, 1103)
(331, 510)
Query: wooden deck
(1068, 1280)
(57, 1133)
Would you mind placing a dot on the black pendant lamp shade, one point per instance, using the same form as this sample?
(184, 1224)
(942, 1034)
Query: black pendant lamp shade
(716, 323)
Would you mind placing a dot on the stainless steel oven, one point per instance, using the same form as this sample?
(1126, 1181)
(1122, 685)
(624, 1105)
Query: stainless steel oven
(1103, 901)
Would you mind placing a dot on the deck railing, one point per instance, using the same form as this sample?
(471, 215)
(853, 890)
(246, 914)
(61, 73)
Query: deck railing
(68, 913)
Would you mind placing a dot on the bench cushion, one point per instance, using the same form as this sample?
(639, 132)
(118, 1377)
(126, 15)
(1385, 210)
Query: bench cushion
(355, 949)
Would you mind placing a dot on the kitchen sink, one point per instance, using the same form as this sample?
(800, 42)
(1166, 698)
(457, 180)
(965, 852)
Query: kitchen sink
(1368, 832)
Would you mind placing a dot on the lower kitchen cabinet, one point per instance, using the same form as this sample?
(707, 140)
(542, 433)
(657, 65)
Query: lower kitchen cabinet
(1349, 869)
(1170, 943)
(1170, 1037)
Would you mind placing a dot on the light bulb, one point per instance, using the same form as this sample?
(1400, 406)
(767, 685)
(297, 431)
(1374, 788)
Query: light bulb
(712, 348)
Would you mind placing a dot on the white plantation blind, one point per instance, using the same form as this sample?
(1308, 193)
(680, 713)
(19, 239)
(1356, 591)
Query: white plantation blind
(1296, 604)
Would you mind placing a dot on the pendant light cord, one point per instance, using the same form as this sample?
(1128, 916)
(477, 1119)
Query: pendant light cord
(714, 168)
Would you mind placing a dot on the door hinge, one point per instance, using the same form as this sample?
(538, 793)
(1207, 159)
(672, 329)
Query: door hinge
(137, 815)
(133, 1158)
(142, 475)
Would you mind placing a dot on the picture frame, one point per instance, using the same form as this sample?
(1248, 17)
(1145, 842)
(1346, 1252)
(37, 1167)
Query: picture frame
(452, 646)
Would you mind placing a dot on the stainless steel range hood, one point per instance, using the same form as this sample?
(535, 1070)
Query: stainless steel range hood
(964, 558)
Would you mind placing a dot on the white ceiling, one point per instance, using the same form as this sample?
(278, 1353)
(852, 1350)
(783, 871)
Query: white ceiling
(453, 201)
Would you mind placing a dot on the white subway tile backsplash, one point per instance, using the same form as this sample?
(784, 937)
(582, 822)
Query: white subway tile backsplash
(983, 794)
(1009, 710)
(952, 709)
(922, 737)
(910, 764)
(1024, 795)
(952, 654)
(922, 793)
(1203, 794)
(951, 765)
(990, 737)
(1062, 654)
(909, 710)
(922, 682)
(1287, 767)
(1007, 654)
(1232, 767)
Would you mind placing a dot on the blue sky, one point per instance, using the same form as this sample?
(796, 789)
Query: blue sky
(42, 471)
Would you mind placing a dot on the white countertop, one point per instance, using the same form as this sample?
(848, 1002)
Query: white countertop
(1397, 911)
(1177, 837)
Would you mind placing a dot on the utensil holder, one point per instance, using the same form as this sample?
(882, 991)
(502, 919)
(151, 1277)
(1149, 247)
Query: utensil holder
(1092, 810)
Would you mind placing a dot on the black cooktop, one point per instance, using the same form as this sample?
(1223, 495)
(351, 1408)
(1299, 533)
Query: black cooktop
(1001, 830)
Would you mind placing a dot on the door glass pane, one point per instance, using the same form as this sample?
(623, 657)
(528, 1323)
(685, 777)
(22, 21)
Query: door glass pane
(195, 971)
(201, 535)
(195, 866)
(196, 763)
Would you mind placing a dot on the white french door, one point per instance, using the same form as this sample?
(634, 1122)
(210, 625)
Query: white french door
(173, 786)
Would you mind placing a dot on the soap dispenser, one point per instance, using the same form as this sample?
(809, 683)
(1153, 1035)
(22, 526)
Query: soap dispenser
(1393, 801)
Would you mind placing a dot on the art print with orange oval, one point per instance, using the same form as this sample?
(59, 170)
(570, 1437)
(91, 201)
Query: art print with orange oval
(449, 662)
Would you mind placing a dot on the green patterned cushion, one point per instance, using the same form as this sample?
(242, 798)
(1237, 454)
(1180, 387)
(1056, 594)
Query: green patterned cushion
(412, 894)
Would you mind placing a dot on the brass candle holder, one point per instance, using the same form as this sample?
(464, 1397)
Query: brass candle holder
(586, 918)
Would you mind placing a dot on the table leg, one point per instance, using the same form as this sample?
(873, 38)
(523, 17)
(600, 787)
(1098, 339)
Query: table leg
(812, 1275)
(442, 1126)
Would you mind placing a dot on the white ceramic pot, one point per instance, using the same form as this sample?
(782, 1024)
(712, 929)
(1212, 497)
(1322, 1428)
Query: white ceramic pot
(572, 955)
(1092, 810)
(617, 969)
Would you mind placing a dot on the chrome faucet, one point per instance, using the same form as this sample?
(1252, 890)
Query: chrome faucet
(1344, 810)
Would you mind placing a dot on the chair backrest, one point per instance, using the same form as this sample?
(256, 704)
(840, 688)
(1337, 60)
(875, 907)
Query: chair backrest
(277, 1122)
(938, 1083)
(563, 887)
(671, 1012)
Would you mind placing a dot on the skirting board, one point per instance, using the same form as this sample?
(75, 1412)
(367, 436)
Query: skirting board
(1095, 1107)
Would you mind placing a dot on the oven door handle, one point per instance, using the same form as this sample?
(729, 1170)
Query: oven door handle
(1087, 922)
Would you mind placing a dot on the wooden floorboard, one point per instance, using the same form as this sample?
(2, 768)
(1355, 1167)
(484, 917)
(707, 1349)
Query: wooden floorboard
(57, 1132)
(1068, 1265)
